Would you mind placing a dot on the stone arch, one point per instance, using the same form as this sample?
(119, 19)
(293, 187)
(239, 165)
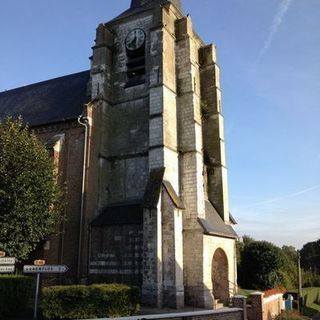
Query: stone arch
(220, 276)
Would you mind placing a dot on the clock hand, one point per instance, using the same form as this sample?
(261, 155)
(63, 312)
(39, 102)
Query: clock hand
(134, 41)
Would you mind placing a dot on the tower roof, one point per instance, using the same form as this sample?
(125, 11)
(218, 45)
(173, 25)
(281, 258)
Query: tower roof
(140, 3)
(137, 5)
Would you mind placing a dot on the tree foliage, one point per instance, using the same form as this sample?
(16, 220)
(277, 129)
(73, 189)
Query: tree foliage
(29, 195)
(289, 269)
(260, 266)
(240, 245)
(310, 262)
(310, 257)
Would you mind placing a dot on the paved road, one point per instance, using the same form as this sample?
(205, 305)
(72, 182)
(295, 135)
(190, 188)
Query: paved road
(316, 317)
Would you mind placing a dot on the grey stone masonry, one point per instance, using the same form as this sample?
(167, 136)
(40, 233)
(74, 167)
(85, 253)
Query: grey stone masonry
(157, 108)
(191, 158)
(152, 264)
(213, 132)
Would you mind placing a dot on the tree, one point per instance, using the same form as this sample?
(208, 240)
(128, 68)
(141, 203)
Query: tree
(240, 245)
(291, 253)
(310, 261)
(29, 195)
(260, 267)
(310, 257)
(289, 270)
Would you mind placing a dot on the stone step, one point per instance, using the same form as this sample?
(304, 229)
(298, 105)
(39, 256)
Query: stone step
(218, 304)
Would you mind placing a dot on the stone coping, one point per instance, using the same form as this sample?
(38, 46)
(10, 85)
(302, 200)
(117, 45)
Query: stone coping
(178, 314)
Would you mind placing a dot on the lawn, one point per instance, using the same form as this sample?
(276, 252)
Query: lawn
(291, 315)
(311, 301)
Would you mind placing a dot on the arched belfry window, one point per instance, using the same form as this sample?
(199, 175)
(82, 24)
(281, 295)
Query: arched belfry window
(136, 57)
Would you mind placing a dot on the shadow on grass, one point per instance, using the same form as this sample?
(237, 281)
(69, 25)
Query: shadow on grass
(309, 312)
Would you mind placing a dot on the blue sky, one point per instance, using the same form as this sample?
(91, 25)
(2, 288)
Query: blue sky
(269, 57)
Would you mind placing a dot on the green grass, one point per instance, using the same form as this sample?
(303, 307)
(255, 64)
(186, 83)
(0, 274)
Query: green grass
(311, 300)
(290, 315)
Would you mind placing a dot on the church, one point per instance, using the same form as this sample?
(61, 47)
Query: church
(138, 141)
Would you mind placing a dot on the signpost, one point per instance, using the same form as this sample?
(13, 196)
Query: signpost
(45, 269)
(6, 264)
(6, 261)
(7, 269)
(38, 268)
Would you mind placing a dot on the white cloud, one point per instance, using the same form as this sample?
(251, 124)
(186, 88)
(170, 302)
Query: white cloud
(280, 198)
(279, 17)
(288, 219)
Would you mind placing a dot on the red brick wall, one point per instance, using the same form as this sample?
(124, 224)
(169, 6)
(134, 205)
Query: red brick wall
(264, 308)
(63, 247)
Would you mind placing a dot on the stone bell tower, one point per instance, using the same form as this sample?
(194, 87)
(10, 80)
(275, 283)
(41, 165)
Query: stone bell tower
(157, 204)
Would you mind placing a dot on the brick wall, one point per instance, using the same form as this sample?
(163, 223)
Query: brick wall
(264, 308)
(68, 142)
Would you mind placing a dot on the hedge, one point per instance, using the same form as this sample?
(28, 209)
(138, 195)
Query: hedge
(16, 292)
(89, 302)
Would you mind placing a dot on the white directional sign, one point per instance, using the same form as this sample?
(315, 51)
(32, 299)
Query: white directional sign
(5, 261)
(45, 269)
(40, 267)
(7, 269)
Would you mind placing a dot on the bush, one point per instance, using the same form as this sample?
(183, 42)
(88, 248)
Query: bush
(15, 294)
(85, 302)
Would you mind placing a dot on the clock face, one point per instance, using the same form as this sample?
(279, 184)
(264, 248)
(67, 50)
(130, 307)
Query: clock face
(135, 39)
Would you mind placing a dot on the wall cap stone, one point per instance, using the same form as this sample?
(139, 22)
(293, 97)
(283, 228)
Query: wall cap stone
(256, 293)
(179, 314)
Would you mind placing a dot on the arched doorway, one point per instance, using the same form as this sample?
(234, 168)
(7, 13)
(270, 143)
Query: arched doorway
(220, 281)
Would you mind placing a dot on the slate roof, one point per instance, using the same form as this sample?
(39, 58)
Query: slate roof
(153, 189)
(47, 102)
(132, 213)
(137, 3)
(214, 225)
(232, 219)
(136, 7)
(119, 214)
(173, 195)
